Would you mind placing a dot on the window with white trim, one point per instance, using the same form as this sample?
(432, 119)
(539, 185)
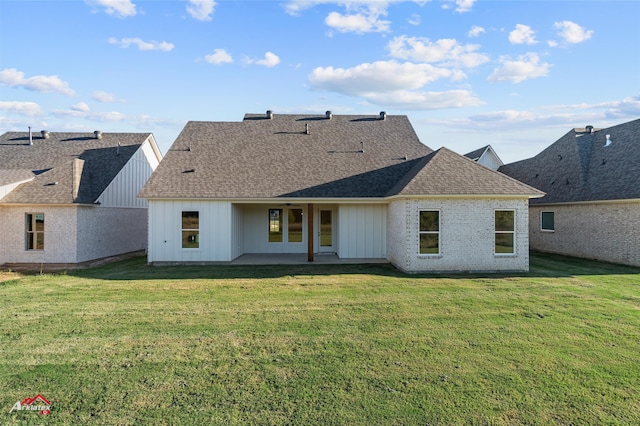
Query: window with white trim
(505, 232)
(547, 221)
(429, 232)
(190, 229)
(275, 225)
(34, 231)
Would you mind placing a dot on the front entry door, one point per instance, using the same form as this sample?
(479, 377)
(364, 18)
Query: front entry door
(325, 233)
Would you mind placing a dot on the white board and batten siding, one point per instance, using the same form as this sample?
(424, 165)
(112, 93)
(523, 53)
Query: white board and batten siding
(216, 235)
(362, 231)
(255, 227)
(124, 188)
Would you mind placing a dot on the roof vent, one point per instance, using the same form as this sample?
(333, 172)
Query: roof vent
(328, 115)
(383, 115)
(45, 134)
(30, 136)
(306, 128)
(97, 134)
(589, 129)
(608, 140)
(270, 114)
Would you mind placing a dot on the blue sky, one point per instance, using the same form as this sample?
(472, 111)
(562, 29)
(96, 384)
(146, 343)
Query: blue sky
(514, 74)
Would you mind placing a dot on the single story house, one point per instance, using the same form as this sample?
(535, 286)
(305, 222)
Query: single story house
(71, 198)
(486, 156)
(591, 209)
(356, 186)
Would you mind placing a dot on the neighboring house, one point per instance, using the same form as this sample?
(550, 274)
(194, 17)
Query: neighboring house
(592, 206)
(360, 187)
(486, 156)
(69, 198)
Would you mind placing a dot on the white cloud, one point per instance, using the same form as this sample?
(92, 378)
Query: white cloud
(362, 16)
(414, 19)
(523, 34)
(219, 56)
(357, 23)
(461, 5)
(118, 8)
(105, 97)
(447, 52)
(39, 83)
(524, 68)
(201, 10)
(23, 108)
(475, 31)
(142, 45)
(78, 111)
(270, 60)
(571, 32)
(81, 107)
(374, 78)
(417, 100)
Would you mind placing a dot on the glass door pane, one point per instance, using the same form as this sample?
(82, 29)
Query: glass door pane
(326, 230)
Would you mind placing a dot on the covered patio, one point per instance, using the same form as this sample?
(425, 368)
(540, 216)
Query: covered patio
(298, 259)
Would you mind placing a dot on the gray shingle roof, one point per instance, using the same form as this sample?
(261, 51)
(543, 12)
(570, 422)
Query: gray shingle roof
(474, 155)
(446, 173)
(51, 162)
(579, 167)
(346, 156)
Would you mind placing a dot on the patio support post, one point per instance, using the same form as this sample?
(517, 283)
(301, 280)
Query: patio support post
(310, 232)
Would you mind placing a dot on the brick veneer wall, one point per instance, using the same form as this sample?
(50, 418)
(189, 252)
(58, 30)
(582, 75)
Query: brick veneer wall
(72, 234)
(109, 231)
(466, 235)
(59, 235)
(603, 231)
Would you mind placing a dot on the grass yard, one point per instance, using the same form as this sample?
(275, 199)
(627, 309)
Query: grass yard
(349, 344)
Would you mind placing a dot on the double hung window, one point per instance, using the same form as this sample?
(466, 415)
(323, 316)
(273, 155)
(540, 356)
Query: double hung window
(504, 232)
(35, 231)
(430, 232)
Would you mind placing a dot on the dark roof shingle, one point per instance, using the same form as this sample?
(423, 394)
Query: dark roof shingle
(51, 162)
(580, 167)
(308, 156)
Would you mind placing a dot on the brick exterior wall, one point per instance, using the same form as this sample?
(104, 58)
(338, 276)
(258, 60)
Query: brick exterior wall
(109, 231)
(72, 234)
(466, 235)
(605, 231)
(60, 234)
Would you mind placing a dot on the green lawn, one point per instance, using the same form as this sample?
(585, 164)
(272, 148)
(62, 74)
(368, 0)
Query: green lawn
(349, 344)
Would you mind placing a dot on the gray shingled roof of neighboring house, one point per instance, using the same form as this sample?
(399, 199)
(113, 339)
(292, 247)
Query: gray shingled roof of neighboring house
(53, 161)
(579, 167)
(346, 156)
(474, 155)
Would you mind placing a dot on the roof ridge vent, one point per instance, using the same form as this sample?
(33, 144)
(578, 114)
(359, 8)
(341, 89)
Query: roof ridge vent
(269, 115)
(328, 115)
(608, 140)
(383, 115)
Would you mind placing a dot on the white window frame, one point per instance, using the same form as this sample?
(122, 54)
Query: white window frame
(495, 232)
(438, 233)
(554, 221)
(182, 230)
(33, 234)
